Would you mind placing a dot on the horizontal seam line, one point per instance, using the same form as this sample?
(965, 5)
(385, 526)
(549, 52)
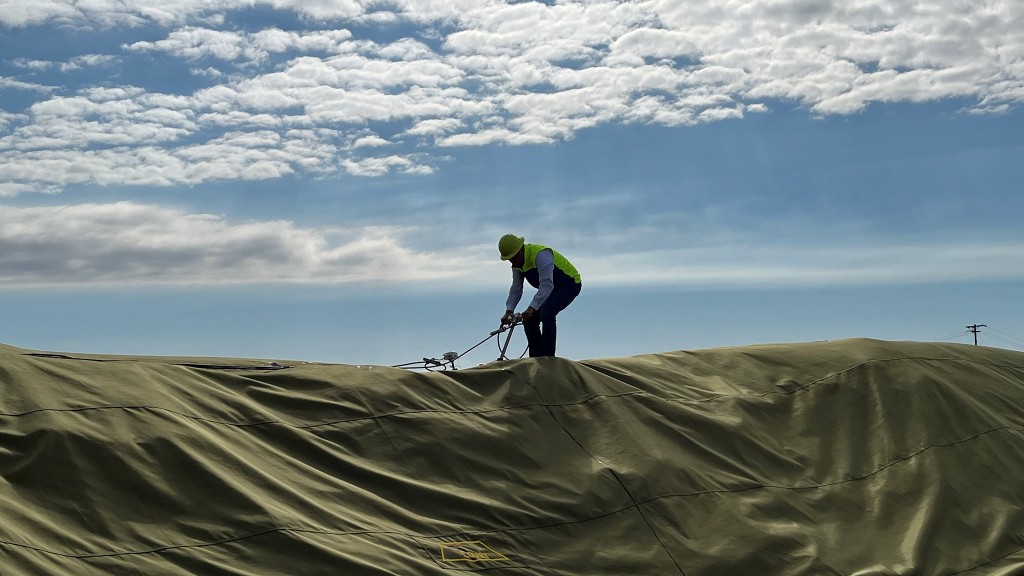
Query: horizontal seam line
(515, 529)
(319, 424)
(986, 562)
(847, 480)
(642, 393)
(818, 381)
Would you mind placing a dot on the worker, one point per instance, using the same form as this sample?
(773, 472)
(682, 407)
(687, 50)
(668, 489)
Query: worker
(557, 283)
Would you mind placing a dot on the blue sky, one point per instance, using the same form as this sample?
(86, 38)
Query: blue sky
(327, 180)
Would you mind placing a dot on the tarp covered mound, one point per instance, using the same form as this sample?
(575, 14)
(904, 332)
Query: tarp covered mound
(852, 457)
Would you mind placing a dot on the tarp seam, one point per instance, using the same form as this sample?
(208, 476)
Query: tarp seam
(602, 397)
(267, 366)
(319, 424)
(986, 563)
(221, 542)
(882, 360)
(802, 387)
(610, 469)
(882, 468)
(498, 409)
(523, 528)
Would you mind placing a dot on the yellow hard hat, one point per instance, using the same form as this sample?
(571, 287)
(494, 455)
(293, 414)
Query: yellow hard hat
(509, 245)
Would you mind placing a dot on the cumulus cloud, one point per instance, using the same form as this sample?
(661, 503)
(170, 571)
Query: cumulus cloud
(382, 165)
(194, 43)
(236, 155)
(15, 84)
(29, 12)
(371, 140)
(141, 12)
(128, 242)
(75, 63)
(476, 73)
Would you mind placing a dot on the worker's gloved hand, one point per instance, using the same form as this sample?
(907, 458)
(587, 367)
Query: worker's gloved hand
(527, 313)
(507, 318)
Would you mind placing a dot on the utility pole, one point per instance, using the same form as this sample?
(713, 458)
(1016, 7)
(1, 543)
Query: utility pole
(974, 330)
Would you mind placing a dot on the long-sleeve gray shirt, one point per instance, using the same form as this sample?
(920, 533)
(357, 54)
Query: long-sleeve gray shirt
(546, 274)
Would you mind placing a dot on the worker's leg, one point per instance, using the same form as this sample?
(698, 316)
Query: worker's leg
(560, 297)
(533, 337)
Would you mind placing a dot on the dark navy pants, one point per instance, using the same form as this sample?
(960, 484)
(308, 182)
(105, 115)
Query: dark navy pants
(540, 328)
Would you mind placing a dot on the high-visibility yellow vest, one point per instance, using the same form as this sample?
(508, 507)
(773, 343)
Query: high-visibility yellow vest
(564, 270)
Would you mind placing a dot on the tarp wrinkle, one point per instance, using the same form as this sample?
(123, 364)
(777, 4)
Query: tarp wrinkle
(855, 457)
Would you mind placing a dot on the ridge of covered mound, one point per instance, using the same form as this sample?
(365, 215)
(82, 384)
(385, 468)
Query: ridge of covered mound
(849, 457)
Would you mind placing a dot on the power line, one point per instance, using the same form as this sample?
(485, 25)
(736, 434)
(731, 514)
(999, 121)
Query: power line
(1005, 341)
(950, 337)
(1011, 336)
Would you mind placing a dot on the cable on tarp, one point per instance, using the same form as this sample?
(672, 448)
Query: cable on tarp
(447, 360)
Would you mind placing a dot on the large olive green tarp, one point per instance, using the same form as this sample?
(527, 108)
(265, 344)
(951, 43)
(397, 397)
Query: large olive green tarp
(852, 457)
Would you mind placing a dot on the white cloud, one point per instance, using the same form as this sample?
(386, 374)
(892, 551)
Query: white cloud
(15, 84)
(5, 120)
(76, 63)
(434, 127)
(385, 165)
(104, 117)
(370, 140)
(232, 156)
(34, 65)
(653, 43)
(128, 242)
(493, 136)
(194, 43)
(483, 72)
(11, 189)
(94, 59)
(28, 12)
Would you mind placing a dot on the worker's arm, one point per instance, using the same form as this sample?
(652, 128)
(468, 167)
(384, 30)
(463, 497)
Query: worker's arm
(515, 293)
